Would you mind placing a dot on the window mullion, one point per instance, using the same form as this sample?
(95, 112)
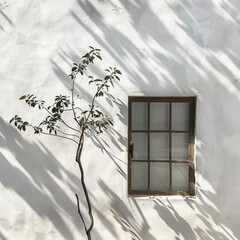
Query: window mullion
(170, 145)
(148, 146)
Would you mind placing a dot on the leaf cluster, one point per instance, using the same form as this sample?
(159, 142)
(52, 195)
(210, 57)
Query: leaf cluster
(104, 84)
(60, 103)
(95, 119)
(32, 101)
(87, 59)
(19, 123)
(92, 118)
(51, 124)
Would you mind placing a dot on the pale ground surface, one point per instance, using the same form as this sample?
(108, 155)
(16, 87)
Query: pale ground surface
(164, 48)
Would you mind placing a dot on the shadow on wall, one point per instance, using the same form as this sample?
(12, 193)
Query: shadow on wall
(208, 211)
(172, 218)
(193, 64)
(177, 63)
(4, 18)
(119, 142)
(132, 222)
(2, 237)
(34, 182)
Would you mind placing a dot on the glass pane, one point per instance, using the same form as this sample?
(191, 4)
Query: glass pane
(139, 116)
(180, 116)
(159, 146)
(139, 176)
(180, 143)
(159, 176)
(140, 146)
(180, 177)
(159, 116)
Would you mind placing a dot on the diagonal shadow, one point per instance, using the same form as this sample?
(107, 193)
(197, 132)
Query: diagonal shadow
(37, 172)
(137, 227)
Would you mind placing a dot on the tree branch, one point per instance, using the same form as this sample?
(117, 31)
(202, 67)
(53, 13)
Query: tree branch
(78, 160)
(74, 112)
(62, 121)
(93, 100)
(80, 214)
(54, 135)
(70, 109)
(67, 134)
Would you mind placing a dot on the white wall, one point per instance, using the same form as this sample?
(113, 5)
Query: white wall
(163, 48)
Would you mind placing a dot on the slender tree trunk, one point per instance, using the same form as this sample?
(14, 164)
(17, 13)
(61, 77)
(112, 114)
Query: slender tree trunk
(78, 160)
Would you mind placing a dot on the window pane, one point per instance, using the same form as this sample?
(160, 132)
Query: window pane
(159, 116)
(180, 143)
(139, 176)
(139, 116)
(180, 116)
(140, 145)
(159, 146)
(180, 177)
(159, 176)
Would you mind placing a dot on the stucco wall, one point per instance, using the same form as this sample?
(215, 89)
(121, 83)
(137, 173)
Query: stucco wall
(163, 48)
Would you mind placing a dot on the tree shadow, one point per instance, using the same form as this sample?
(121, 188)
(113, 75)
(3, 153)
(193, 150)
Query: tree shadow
(4, 17)
(32, 172)
(131, 221)
(173, 219)
(192, 64)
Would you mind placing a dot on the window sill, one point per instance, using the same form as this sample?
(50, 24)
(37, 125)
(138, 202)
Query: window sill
(161, 197)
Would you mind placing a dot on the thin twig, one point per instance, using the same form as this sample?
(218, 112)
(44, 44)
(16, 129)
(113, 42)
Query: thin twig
(70, 109)
(54, 135)
(93, 100)
(68, 134)
(62, 121)
(73, 110)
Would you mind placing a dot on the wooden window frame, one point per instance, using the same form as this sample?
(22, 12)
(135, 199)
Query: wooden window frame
(191, 131)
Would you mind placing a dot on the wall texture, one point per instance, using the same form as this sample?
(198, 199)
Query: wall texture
(163, 48)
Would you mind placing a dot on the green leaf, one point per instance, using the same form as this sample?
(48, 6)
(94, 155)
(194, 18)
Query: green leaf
(107, 77)
(11, 120)
(99, 57)
(22, 97)
(117, 71)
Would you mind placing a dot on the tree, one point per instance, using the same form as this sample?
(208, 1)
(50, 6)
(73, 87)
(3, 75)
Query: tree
(91, 119)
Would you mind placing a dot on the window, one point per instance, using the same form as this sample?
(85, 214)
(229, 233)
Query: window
(161, 146)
